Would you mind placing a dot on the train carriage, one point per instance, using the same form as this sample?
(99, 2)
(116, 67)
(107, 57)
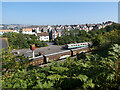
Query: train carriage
(37, 60)
(79, 50)
(58, 55)
(77, 45)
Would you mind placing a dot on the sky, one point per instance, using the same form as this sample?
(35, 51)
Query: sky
(51, 13)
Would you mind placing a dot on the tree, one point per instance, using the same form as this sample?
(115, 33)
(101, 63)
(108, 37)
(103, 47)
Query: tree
(13, 62)
(8, 59)
(114, 58)
(96, 41)
(20, 41)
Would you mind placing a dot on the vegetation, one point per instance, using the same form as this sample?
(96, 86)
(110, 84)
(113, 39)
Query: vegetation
(11, 62)
(97, 69)
(21, 41)
(92, 71)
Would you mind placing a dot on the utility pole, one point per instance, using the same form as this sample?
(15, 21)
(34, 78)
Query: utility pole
(33, 54)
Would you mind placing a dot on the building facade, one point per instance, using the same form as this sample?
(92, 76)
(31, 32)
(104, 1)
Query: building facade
(43, 36)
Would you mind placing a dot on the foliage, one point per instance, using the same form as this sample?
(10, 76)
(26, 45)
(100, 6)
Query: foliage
(10, 61)
(20, 41)
(89, 72)
(96, 41)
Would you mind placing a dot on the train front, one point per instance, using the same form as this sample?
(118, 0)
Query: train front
(66, 46)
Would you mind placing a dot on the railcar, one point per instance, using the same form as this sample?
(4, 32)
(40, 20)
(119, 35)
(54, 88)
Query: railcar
(79, 50)
(58, 55)
(76, 45)
(37, 60)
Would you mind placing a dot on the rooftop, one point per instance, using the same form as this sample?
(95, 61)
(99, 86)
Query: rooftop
(6, 30)
(42, 34)
(27, 29)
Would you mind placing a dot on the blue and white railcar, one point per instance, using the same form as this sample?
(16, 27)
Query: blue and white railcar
(76, 45)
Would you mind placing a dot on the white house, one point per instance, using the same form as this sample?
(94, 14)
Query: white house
(54, 34)
(90, 28)
(16, 31)
(27, 31)
(1, 27)
(36, 30)
(43, 36)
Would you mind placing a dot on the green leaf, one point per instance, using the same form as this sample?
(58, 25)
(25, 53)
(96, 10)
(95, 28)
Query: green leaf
(82, 77)
(54, 77)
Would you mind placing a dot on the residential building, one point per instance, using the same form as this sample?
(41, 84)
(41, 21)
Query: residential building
(43, 36)
(1, 27)
(28, 31)
(54, 34)
(36, 29)
(90, 28)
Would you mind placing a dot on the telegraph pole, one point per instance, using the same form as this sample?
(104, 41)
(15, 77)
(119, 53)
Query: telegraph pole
(33, 54)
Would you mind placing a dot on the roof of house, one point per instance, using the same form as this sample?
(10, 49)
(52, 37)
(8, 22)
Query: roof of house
(6, 30)
(27, 29)
(43, 34)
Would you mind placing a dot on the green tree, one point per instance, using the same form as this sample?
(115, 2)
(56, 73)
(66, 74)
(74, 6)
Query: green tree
(21, 41)
(114, 58)
(96, 41)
